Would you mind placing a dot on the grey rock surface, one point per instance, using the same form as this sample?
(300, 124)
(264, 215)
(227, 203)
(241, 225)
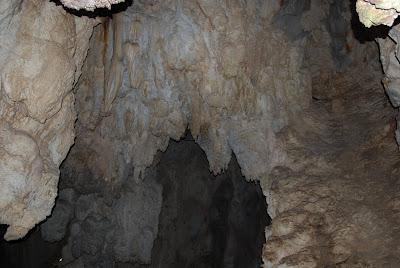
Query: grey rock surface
(102, 232)
(55, 228)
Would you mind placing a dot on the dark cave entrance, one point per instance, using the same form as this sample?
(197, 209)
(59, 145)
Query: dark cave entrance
(205, 220)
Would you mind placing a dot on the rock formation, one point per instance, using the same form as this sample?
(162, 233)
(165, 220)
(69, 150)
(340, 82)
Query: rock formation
(290, 88)
(389, 51)
(42, 51)
(90, 5)
(376, 12)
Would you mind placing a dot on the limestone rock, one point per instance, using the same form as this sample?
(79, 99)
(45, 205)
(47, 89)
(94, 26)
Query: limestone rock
(162, 67)
(137, 223)
(376, 12)
(42, 51)
(389, 50)
(105, 230)
(55, 228)
(278, 83)
(90, 4)
(336, 207)
(240, 77)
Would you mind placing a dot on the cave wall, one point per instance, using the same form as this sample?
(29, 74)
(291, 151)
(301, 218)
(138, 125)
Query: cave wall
(42, 51)
(218, 69)
(178, 215)
(284, 85)
(104, 225)
(156, 78)
(377, 12)
(385, 12)
(243, 69)
(236, 75)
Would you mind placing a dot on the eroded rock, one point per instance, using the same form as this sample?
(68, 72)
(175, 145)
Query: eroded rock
(240, 75)
(376, 12)
(43, 49)
(235, 76)
(219, 70)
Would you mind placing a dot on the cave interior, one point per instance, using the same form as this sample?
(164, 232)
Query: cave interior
(208, 134)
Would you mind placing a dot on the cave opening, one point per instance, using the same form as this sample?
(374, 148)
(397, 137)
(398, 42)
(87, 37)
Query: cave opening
(178, 215)
(207, 220)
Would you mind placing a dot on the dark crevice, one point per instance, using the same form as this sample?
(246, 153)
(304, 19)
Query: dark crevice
(30, 252)
(206, 220)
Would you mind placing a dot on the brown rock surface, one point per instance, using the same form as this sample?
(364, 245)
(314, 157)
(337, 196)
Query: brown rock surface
(376, 12)
(284, 85)
(339, 206)
(42, 49)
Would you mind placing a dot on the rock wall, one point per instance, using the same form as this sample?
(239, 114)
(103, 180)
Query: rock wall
(284, 85)
(223, 71)
(179, 215)
(241, 78)
(42, 51)
(328, 206)
(376, 12)
(341, 208)
(391, 66)
(108, 225)
(386, 12)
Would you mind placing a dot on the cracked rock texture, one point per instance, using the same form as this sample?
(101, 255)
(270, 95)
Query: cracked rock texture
(42, 51)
